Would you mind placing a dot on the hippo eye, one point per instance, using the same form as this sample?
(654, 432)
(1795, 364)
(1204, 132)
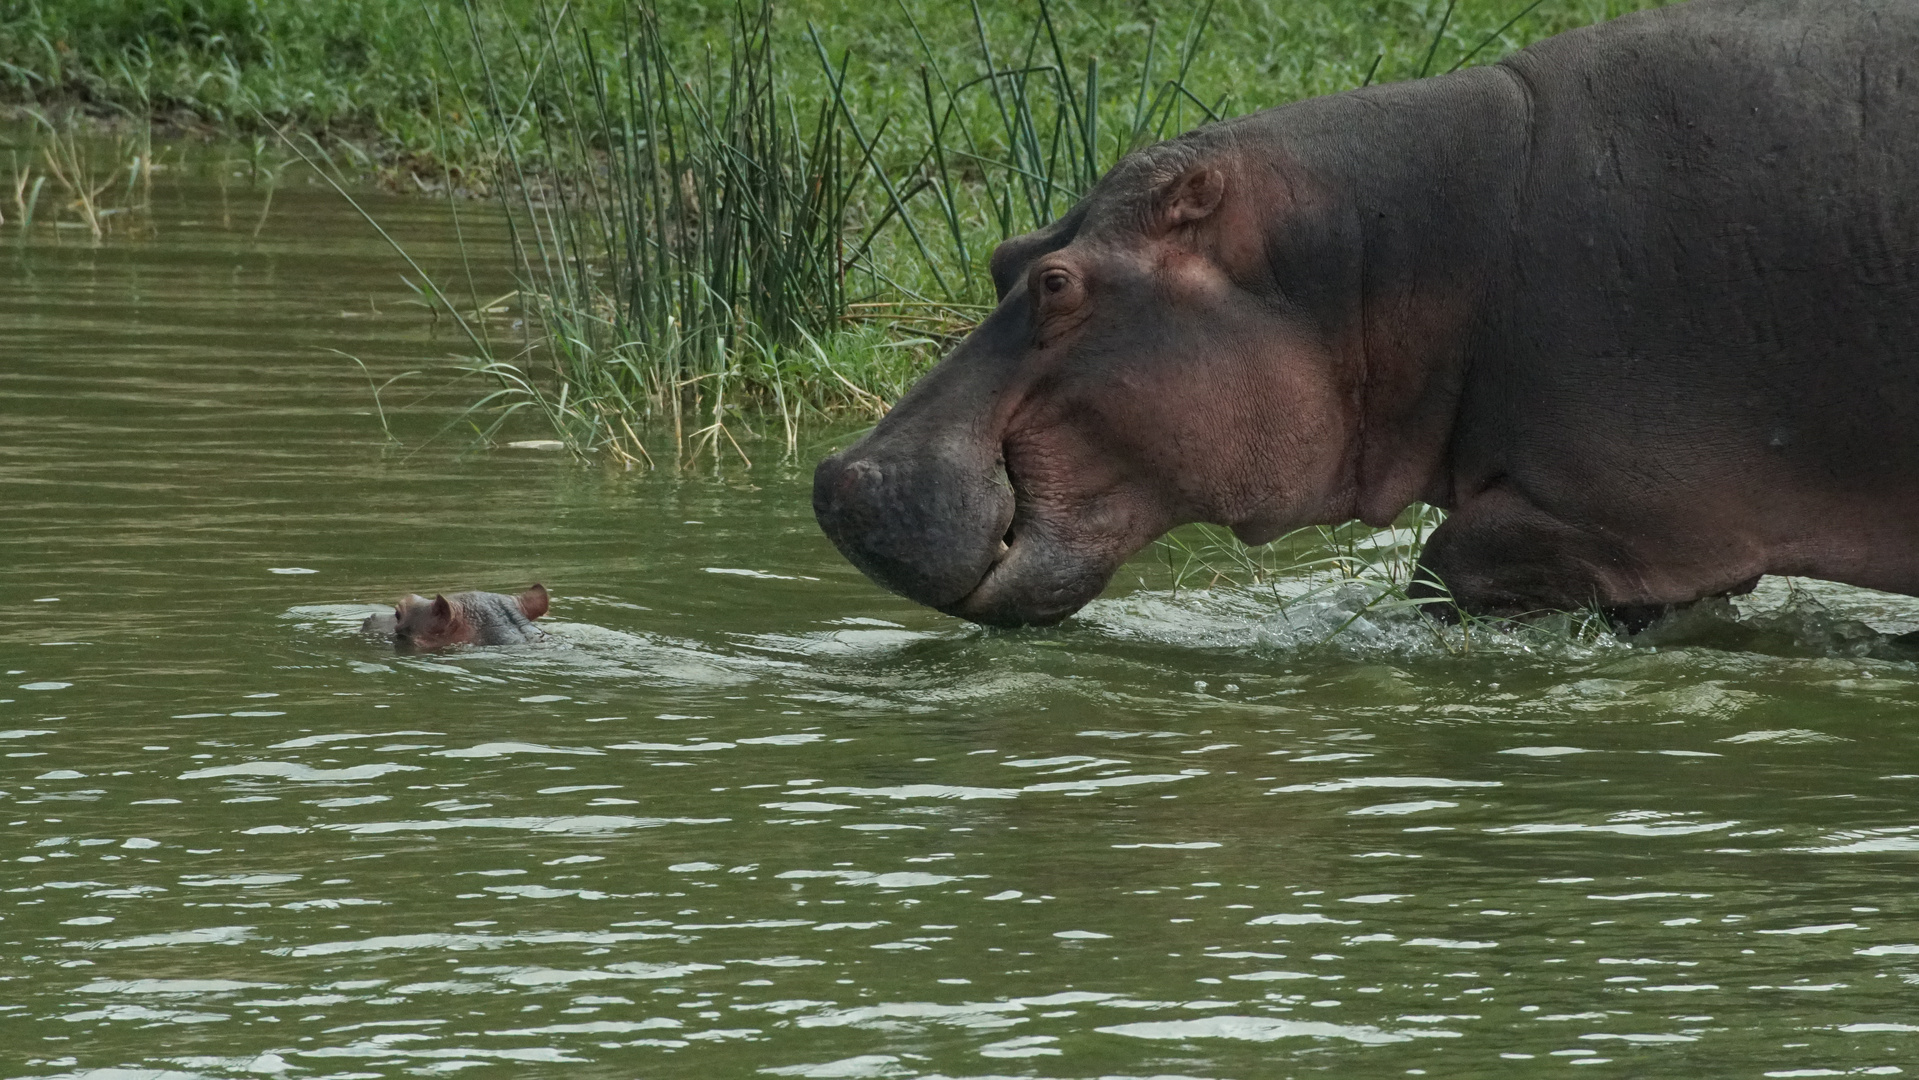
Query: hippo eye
(1054, 281)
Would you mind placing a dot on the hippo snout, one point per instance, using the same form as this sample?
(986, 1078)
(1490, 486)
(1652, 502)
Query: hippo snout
(928, 527)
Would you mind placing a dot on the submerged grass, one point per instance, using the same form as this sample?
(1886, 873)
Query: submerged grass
(59, 179)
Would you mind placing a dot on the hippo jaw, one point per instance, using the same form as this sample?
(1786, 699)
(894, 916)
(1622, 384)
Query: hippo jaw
(955, 533)
(1038, 576)
(1034, 584)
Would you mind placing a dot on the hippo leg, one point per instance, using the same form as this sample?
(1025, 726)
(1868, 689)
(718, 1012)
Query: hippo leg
(1500, 554)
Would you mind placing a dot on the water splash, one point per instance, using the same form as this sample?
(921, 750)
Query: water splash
(1370, 620)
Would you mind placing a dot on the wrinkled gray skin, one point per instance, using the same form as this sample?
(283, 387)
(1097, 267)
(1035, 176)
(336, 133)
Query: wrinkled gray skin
(469, 618)
(1638, 305)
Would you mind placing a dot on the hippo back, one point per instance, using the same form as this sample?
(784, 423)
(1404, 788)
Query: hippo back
(1714, 290)
(496, 619)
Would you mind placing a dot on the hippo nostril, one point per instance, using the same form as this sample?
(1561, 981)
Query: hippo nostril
(858, 476)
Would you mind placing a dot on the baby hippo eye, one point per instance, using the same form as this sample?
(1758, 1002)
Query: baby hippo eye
(1054, 281)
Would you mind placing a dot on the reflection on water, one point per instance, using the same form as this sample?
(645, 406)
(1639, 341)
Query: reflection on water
(744, 815)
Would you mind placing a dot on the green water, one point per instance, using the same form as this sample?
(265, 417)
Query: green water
(745, 815)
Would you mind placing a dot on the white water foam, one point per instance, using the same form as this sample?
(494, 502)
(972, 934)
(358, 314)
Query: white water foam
(1363, 619)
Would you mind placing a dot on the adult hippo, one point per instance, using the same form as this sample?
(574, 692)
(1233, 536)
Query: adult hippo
(1638, 305)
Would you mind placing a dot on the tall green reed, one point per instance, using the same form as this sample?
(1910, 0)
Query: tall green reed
(678, 227)
(694, 235)
(1015, 145)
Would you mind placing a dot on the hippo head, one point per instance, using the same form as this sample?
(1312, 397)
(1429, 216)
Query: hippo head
(1179, 348)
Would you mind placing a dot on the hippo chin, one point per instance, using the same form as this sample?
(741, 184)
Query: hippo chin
(1639, 306)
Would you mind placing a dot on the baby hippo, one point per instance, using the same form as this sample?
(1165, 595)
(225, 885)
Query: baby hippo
(468, 618)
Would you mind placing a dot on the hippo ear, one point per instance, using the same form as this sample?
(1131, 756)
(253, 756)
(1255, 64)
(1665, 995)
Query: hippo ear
(441, 613)
(533, 602)
(1193, 196)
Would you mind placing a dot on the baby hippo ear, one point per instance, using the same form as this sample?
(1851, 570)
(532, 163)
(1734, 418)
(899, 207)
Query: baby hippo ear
(439, 615)
(533, 602)
(1193, 196)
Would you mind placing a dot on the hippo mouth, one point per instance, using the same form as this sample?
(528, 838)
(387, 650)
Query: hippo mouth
(994, 600)
(957, 533)
(1035, 578)
(983, 596)
(1006, 596)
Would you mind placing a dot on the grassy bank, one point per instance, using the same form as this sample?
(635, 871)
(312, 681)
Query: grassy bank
(375, 68)
(727, 209)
